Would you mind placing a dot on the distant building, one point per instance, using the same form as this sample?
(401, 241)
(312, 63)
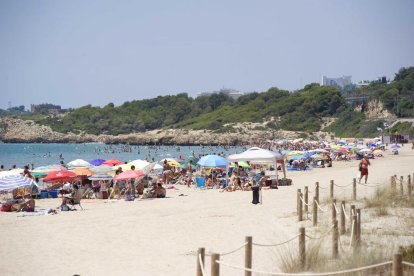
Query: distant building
(341, 82)
(50, 108)
(235, 94)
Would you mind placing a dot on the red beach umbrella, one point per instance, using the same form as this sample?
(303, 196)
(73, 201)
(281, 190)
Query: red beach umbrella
(60, 177)
(112, 162)
(129, 174)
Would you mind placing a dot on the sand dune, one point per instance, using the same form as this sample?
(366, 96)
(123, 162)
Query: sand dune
(160, 237)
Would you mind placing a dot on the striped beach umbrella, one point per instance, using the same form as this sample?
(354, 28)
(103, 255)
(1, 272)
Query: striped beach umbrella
(13, 181)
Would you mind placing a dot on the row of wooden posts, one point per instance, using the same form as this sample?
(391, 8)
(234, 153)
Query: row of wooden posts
(397, 265)
(302, 206)
(409, 185)
(303, 198)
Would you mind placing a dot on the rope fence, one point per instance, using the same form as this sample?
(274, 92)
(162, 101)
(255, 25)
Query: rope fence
(310, 273)
(322, 236)
(230, 252)
(277, 244)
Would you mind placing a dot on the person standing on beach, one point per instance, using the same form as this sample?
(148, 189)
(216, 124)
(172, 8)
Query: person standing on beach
(166, 172)
(363, 168)
(189, 173)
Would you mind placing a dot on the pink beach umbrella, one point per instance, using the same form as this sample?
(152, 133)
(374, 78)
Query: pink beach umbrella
(129, 174)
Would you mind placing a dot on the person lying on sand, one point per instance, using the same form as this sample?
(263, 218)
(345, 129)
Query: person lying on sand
(19, 205)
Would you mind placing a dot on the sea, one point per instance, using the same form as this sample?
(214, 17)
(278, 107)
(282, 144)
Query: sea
(37, 155)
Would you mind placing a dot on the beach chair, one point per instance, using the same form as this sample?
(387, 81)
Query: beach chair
(200, 182)
(77, 199)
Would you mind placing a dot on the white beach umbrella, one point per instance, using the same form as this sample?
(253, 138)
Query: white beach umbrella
(78, 163)
(141, 165)
(13, 181)
(7, 173)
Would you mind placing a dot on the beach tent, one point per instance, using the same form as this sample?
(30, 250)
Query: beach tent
(259, 156)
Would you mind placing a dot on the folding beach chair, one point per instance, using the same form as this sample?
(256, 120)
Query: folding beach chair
(77, 199)
(200, 182)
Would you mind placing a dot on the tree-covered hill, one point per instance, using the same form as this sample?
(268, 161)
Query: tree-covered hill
(302, 110)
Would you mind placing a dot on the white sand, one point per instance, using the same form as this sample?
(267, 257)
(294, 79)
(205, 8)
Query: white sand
(160, 237)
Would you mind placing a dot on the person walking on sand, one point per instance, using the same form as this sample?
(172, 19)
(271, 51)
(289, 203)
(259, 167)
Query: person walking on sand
(363, 168)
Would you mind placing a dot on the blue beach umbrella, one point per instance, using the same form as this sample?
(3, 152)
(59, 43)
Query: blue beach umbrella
(212, 161)
(395, 146)
(97, 162)
(13, 181)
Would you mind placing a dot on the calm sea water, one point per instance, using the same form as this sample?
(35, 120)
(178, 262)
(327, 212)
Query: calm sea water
(46, 154)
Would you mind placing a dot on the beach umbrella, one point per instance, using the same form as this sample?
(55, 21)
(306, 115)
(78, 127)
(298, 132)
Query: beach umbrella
(395, 146)
(50, 168)
(317, 157)
(212, 161)
(129, 174)
(124, 167)
(60, 177)
(186, 161)
(39, 174)
(97, 162)
(112, 162)
(14, 181)
(141, 165)
(6, 173)
(100, 177)
(174, 163)
(77, 163)
(343, 150)
(365, 150)
(284, 152)
(320, 151)
(83, 171)
(101, 169)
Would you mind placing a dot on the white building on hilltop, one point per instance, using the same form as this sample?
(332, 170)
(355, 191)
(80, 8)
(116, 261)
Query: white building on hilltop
(235, 94)
(339, 82)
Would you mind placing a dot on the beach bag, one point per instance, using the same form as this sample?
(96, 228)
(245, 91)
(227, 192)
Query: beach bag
(64, 208)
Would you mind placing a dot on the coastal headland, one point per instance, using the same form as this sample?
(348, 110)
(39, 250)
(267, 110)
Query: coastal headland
(25, 131)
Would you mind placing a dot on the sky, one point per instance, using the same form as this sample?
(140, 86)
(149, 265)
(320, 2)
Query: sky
(74, 53)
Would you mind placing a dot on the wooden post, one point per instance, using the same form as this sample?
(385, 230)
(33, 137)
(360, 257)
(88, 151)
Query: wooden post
(397, 269)
(335, 237)
(401, 185)
(306, 199)
(358, 232)
(317, 191)
(300, 213)
(343, 229)
(302, 247)
(201, 251)
(248, 255)
(354, 189)
(297, 201)
(331, 190)
(409, 186)
(393, 183)
(215, 267)
(354, 229)
(352, 213)
(333, 210)
(314, 212)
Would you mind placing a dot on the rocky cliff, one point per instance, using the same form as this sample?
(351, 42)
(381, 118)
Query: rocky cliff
(21, 131)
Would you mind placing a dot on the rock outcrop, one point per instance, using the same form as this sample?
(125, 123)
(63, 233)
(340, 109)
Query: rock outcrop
(21, 131)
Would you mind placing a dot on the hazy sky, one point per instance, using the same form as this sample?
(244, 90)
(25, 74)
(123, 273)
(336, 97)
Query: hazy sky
(77, 52)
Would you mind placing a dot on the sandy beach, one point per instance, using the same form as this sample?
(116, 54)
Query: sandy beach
(161, 236)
